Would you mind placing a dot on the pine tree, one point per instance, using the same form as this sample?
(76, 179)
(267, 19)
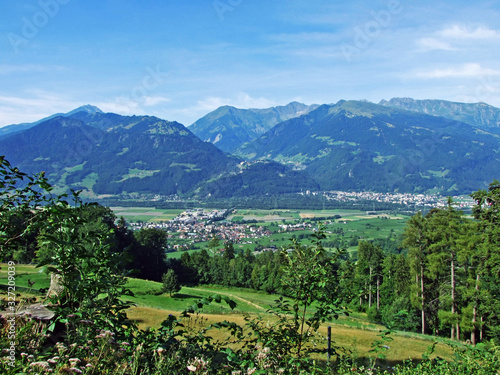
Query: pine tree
(415, 239)
(445, 226)
(487, 213)
(369, 270)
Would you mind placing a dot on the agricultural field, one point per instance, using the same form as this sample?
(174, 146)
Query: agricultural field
(343, 229)
(145, 214)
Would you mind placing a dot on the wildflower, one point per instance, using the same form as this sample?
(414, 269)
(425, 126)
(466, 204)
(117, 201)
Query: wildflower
(160, 350)
(76, 360)
(41, 365)
(73, 345)
(197, 364)
(31, 357)
(89, 322)
(125, 343)
(24, 354)
(75, 370)
(61, 348)
(263, 354)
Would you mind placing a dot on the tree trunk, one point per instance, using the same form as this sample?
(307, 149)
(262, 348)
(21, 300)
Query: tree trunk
(481, 332)
(473, 335)
(422, 291)
(370, 289)
(378, 292)
(453, 312)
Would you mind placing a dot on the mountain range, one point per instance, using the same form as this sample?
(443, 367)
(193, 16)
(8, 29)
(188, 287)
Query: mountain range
(107, 154)
(402, 145)
(356, 145)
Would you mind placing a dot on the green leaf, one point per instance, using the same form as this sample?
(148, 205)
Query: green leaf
(232, 304)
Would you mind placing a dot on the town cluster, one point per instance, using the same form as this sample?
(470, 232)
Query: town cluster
(416, 200)
(199, 225)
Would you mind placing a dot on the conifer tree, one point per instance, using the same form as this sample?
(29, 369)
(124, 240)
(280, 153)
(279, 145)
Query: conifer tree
(415, 239)
(445, 226)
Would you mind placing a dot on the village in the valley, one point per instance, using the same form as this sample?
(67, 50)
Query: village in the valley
(199, 225)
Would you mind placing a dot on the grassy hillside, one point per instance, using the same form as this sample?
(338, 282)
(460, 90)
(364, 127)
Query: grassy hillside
(353, 333)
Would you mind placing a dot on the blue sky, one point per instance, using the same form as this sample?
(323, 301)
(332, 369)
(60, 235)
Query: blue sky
(179, 60)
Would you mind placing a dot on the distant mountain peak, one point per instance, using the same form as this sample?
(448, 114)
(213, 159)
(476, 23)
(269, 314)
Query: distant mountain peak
(229, 127)
(88, 108)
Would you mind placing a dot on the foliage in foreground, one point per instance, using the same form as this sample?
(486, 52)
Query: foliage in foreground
(91, 334)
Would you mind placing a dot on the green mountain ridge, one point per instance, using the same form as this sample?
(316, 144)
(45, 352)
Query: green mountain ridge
(481, 115)
(10, 129)
(365, 146)
(124, 155)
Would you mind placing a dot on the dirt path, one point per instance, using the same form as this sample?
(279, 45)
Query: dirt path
(232, 296)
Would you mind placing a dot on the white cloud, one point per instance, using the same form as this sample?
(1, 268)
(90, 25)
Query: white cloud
(429, 44)
(32, 106)
(462, 32)
(10, 69)
(120, 105)
(126, 105)
(472, 70)
(150, 101)
(447, 39)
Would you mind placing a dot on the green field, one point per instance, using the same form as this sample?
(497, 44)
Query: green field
(145, 214)
(24, 273)
(291, 215)
(264, 216)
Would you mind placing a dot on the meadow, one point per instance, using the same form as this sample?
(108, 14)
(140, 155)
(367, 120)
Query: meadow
(352, 334)
(145, 214)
